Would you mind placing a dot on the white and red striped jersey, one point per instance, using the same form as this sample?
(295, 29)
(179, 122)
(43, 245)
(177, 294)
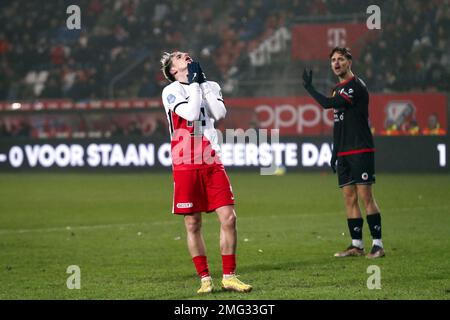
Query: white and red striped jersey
(191, 111)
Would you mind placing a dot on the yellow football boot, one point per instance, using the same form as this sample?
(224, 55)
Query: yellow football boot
(234, 284)
(207, 287)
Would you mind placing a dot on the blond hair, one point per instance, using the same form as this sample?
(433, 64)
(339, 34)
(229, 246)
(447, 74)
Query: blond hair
(166, 64)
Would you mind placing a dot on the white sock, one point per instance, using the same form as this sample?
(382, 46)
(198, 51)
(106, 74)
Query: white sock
(207, 278)
(357, 243)
(228, 276)
(377, 242)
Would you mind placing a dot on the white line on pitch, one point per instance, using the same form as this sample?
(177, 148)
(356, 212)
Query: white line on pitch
(75, 228)
(106, 226)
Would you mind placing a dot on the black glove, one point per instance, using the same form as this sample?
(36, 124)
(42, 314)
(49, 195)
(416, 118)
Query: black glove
(307, 78)
(195, 73)
(202, 76)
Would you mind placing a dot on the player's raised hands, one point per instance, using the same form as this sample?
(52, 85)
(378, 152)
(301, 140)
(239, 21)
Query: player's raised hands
(307, 78)
(195, 73)
(202, 76)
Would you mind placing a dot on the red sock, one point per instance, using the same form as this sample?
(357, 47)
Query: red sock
(229, 263)
(201, 264)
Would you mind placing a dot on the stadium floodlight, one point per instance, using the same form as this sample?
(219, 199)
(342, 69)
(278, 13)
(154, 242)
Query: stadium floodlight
(16, 106)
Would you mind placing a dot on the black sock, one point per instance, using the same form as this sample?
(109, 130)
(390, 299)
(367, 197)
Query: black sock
(374, 222)
(355, 228)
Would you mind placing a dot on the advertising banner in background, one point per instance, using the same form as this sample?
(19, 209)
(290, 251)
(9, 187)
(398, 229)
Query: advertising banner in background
(390, 114)
(315, 41)
(397, 154)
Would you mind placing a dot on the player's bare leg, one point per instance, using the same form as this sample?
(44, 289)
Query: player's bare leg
(373, 219)
(195, 242)
(354, 221)
(351, 202)
(366, 195)
(228, 243)
(197, 249)
(228, 233)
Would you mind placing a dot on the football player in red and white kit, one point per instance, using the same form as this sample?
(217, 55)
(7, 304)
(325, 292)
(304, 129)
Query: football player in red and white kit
(201, 184)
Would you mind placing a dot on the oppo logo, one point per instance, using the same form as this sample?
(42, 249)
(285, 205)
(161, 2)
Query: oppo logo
(300, 117)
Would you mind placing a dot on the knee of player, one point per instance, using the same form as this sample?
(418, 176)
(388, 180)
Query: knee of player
(193, 226)
(351, 197)
(369, 203)
(367, 199)
(229, 220)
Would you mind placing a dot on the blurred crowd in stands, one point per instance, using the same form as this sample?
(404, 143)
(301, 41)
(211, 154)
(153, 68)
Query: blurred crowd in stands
(413, 51)
(116, 52)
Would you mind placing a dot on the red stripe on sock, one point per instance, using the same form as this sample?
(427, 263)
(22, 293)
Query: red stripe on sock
(201, 265)
(229, 263)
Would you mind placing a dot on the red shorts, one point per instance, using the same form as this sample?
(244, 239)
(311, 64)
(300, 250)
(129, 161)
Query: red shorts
(201, 190)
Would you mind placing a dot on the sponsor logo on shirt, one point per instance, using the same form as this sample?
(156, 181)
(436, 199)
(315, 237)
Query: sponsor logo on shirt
(184, 205)
(348, 94)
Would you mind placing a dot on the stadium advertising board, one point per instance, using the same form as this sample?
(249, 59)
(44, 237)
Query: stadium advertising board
(314, 41)
(393, 154)
(409, 114)
(390, 114)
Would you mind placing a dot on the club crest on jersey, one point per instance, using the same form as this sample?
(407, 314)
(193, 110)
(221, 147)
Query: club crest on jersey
(184, 205)
(349, 94)
(171, 98)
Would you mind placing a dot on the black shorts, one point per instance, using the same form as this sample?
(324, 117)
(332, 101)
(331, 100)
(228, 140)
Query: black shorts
(356, 169)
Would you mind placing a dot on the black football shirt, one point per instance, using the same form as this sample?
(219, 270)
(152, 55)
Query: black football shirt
(351, 132)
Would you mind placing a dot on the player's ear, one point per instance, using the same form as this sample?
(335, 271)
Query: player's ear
(173, 71)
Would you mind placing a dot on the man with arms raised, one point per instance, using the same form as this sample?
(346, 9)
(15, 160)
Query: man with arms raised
(201, 184)
(353, 149)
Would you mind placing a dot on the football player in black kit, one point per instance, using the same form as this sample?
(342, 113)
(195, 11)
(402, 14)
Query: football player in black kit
(353, 150)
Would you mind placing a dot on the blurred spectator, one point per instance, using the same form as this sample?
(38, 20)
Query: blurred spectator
(433, 126)
(148, 89)
(52, 88)
(22, 129)
(161, 129)
(413, 129)
(115, 131)
(4, 132)
(134, 129)
(391, 129)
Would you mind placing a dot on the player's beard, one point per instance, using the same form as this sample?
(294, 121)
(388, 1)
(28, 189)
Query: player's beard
(343, 73)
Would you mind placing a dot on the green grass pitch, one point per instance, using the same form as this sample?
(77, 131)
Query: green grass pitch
(119, 230)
